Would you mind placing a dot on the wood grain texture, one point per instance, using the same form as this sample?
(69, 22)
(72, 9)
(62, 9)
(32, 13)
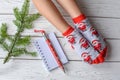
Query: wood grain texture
(76, 70)
(105, 17)
(101, 8)
(106, 26)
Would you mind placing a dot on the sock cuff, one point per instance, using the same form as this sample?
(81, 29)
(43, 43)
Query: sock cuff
(79, 18)
(68, 31)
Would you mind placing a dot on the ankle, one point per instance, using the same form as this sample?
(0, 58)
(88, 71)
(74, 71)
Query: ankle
(68, 31)
(79, 18)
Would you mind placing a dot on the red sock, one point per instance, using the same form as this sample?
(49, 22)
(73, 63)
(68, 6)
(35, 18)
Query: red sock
(82, 46)
(88, 31)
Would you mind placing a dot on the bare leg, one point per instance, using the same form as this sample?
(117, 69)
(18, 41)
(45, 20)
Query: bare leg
(71, 7)
(48, 10)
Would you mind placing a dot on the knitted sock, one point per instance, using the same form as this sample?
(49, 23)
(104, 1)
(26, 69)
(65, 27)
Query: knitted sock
(82, 46)
(87, 30)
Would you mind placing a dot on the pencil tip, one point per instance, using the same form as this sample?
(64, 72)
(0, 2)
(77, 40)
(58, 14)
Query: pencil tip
(64, 71)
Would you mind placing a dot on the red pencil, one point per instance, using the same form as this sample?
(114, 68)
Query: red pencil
(52, 49)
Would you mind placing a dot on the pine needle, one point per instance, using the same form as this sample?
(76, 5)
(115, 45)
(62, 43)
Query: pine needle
(18, 44)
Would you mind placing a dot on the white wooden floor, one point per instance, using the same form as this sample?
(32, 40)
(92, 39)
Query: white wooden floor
(104, 15)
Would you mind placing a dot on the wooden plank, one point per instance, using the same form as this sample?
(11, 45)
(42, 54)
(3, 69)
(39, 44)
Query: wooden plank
(101, 8)
(75, 70)
(112, 55)
(107, 27)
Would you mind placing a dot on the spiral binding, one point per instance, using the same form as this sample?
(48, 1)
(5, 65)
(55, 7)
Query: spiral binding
(41, 53)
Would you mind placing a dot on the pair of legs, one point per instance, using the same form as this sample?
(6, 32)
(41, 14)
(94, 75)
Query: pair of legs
(49, 10)
(92, 48)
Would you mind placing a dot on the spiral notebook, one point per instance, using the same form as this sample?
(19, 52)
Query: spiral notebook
(46, 54)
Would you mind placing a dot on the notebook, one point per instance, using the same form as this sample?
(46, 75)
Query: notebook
(46, 54)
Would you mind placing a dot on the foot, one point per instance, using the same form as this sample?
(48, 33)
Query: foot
(82, 47)
(89, 32)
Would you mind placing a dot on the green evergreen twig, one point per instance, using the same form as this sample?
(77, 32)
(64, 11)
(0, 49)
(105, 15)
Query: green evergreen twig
(18, 44)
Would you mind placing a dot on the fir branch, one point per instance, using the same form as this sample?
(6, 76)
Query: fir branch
(3, 31)
(17, 14)
(4, 46)
(32, 17)
(25, 9)
(17, 23)
(23, 41)
(23, 21)
(3, 37)
(20, 51)
(30, 53)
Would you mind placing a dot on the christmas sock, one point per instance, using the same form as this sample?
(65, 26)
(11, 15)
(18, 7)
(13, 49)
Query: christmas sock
(82, 46)
(89, 32)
